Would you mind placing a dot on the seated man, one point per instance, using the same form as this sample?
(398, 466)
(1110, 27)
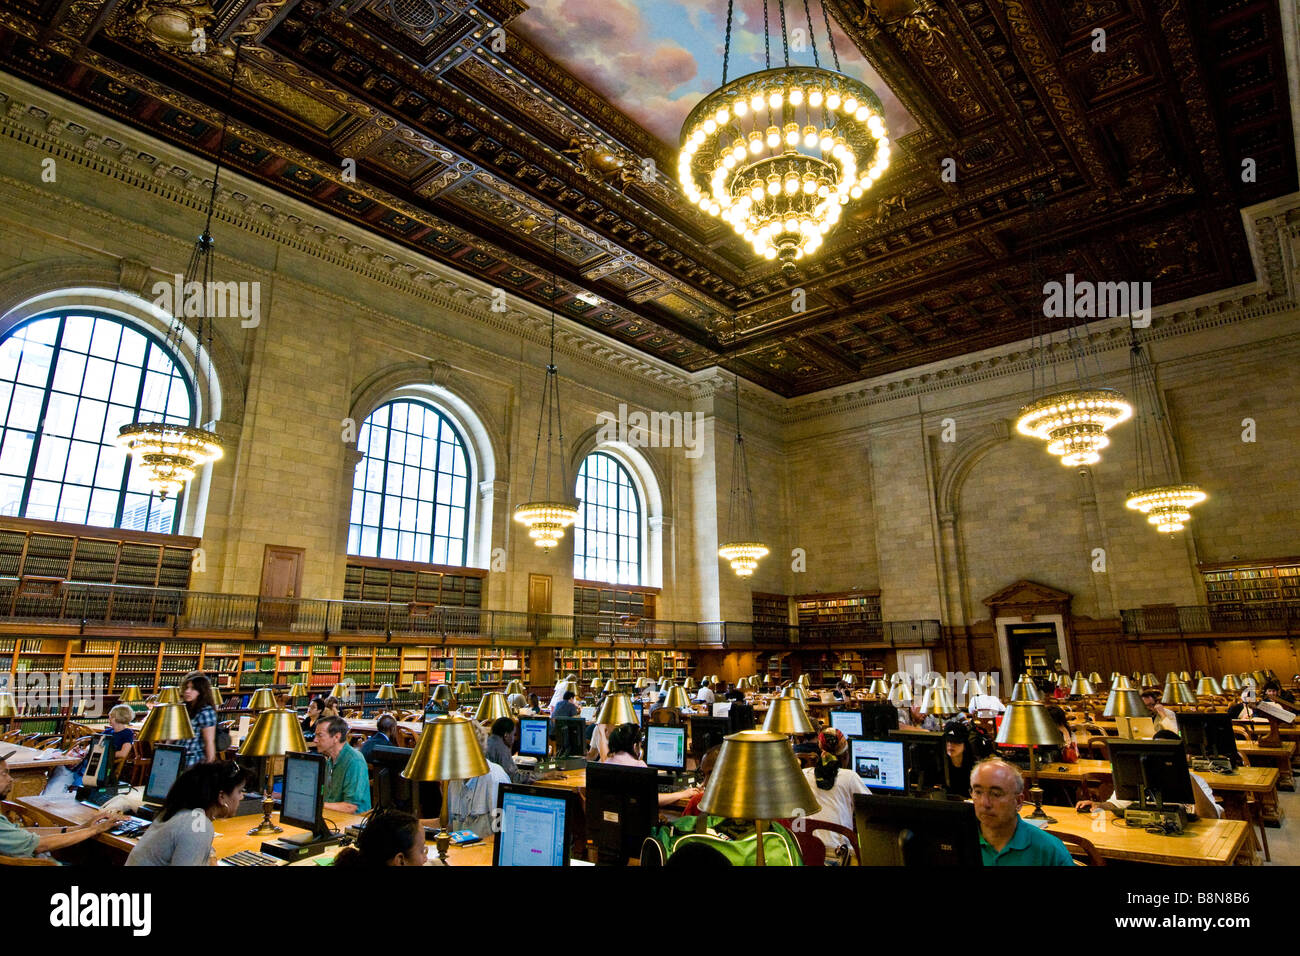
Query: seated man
(347, 781)
(385, 735)
(567, 707)
(1204, 805)
(705, 694)
(1163, 716)
(985, 705)
(471, 803)
(39, 841)
(998, 790)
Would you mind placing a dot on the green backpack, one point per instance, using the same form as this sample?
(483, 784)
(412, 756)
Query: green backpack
(734, 839)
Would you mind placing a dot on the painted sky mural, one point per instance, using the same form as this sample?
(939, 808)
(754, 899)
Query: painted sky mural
(655, 59)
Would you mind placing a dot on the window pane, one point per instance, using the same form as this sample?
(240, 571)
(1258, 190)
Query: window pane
(607, 533)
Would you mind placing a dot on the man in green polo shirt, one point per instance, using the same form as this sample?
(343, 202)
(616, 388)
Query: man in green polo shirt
(347, 781)
(998, 790)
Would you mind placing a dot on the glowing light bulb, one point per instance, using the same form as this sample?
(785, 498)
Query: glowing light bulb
(855, 192)
(774, 186)
(796, 96)
(814, 97)
(774, 100)
(832, 101)
(722, 116)
(773, 137)
(756, 102)
(809, 137)
(791, 185)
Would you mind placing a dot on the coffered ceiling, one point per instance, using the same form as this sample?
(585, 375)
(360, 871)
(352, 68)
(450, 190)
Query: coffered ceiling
(470, 142)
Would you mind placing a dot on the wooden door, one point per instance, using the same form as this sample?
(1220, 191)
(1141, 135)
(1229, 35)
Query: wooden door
(281, 578)
(539, 604)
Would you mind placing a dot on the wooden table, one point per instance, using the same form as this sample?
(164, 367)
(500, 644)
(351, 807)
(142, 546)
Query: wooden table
(1280, 757)
(370, 726)
(232, 835)
(30, 767)
(1203, 843)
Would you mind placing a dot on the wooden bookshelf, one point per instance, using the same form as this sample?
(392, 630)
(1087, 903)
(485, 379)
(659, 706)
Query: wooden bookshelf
(622, 664)
(604, 610)
(94, 555)
(846, 607)
(1234, 587)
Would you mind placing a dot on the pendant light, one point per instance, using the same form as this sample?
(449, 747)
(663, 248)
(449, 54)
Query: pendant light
(171, 452)
(741, 547)
(548, 516)
(1167, 503)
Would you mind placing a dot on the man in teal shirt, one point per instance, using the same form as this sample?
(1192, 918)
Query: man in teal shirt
(998, 791)
(347, 781)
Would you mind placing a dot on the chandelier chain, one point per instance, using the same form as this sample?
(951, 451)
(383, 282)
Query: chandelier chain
(785, 38)
(835, 57)
(726, 49)
(767, 40)
(811, 35)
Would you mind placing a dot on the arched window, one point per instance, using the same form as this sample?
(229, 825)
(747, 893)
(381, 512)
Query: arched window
(607, 535)
(411, 494)
(68, 381)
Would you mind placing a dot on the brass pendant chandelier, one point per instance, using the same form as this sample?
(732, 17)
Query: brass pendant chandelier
(742, 548)
(1072, 421)
(172, 453)
(546, 517)
(777, 153)
(1166, 503)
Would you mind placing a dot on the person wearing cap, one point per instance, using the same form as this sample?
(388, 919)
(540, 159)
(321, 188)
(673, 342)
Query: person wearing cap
(834, 783)
(998, 790)
(1273, 691)
(960, 758)
(22, 842)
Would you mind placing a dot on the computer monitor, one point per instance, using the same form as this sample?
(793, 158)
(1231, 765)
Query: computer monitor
(570, 737)
(534, 736)
(881, 764)
(168, 759)
(99, 770)
(303, 797)
(392, 791)
(638, 707)
(902, 831)
(925, 755)
(536, 827)
(1150, 771)
(847, 722)
(878, 719)
(1209, 735)
(665, 748)
(587, 713)
(707, 732)
(622, 807)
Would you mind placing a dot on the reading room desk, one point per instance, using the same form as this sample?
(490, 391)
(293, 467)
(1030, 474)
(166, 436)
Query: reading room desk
(1203, 843)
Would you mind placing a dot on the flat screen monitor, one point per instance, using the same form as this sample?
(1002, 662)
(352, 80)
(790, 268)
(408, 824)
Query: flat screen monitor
(637, 706)
(1156, 766)
(878, 719)
(304, 783)
(665, 748)
(166, 767)
(879, 763)
(847, 722)
(708, 732)
(904, 831)
(588, 713)
(392, 791)
(622, 807)
(534, 736)
(925, 755)
(570, 736)
(535, 827)
(1208, 735)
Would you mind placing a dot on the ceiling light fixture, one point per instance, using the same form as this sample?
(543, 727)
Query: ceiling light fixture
(742, 548)
(776, 154)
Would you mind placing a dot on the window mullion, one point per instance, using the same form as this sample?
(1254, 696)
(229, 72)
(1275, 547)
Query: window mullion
(40, 421)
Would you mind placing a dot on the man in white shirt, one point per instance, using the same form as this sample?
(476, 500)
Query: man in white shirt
(569, 683)
(985, 704)
(705, 693)
(1165, 718)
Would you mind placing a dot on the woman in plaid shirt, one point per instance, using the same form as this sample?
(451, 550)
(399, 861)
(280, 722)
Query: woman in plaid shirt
(201, 702)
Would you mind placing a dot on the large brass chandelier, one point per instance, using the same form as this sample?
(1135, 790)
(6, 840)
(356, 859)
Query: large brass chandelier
(741, 548)
(547, 517)
(777, 154)
(1166, 503)
(172, 453)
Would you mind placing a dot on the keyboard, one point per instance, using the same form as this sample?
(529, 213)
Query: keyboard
(251, 858)
(673, 784)
(130, 828)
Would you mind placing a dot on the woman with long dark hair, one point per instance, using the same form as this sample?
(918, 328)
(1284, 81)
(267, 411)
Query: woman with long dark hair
(834, 785)
(182, 834)
(201, 702)
(389, 838)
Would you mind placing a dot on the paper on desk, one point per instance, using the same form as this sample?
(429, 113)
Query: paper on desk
(1041, 824)
(1274, 710)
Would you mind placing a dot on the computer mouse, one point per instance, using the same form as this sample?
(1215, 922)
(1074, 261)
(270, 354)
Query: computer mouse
(1083, 809)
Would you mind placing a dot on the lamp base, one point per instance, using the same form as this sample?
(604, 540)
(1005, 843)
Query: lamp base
(266, 826)
(1036, 794)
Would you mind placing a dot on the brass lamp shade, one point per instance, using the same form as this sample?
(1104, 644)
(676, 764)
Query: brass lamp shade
(900, 694)
(1025, 689)
(1094, 678)
(448, 749)
(940, 681)
(342, 691)
(1207, 687)
(795, 691)
(1063, 680)
(611, 686)
(8, 705)
(515, 687)
(616, 710)
(878, 688)
(493, 706)
(1184, 676)
(849, 679)
(971, 688)
(1081, 688)
(275, 733)
(1260, 678)
(1027, 723)
(1124, 702)
(787, 716)
(1137, 677)
(1198, 675)
(386, 692)
(804, 681)
(1170, 677)
(1113, 675)
(130, 695)
(169, 695)
(938, 702)
(757, 778)
(1149, 680)
(298, 690)
(689, 683)
(596, 683)
(1120, 682)
(1176, 692)
(167, 722)
(462, 688)
(676, 698)
(263, 699)
(1231, 683)
(567, 685)
(442, 694)
(642, 683)
(419, 688)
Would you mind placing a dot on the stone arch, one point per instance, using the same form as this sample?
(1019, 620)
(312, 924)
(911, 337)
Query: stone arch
(968, 453)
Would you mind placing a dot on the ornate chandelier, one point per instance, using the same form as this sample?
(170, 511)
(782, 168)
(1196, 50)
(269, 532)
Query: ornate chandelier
(777, 153)
(742, 549)
(1166, 503)
(547, 518)
(1074, 423)
(169, 452)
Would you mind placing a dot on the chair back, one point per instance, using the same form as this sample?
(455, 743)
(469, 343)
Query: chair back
(1081, 849)
(405, 738)
(811, 847)
(665, 717)
(27, 861)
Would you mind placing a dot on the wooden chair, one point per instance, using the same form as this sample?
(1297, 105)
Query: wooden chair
(26, 861)
(138, 763)
(812, 848)
(1085, 849)
(1096, 747)
(405, 738)
(24, 816)
(665, 717)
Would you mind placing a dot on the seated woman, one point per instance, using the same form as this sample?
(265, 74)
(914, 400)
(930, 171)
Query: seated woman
(388, 838)
(624, 751)
(315, 709)
(960, 758)
(834, 785)
(182, 834)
